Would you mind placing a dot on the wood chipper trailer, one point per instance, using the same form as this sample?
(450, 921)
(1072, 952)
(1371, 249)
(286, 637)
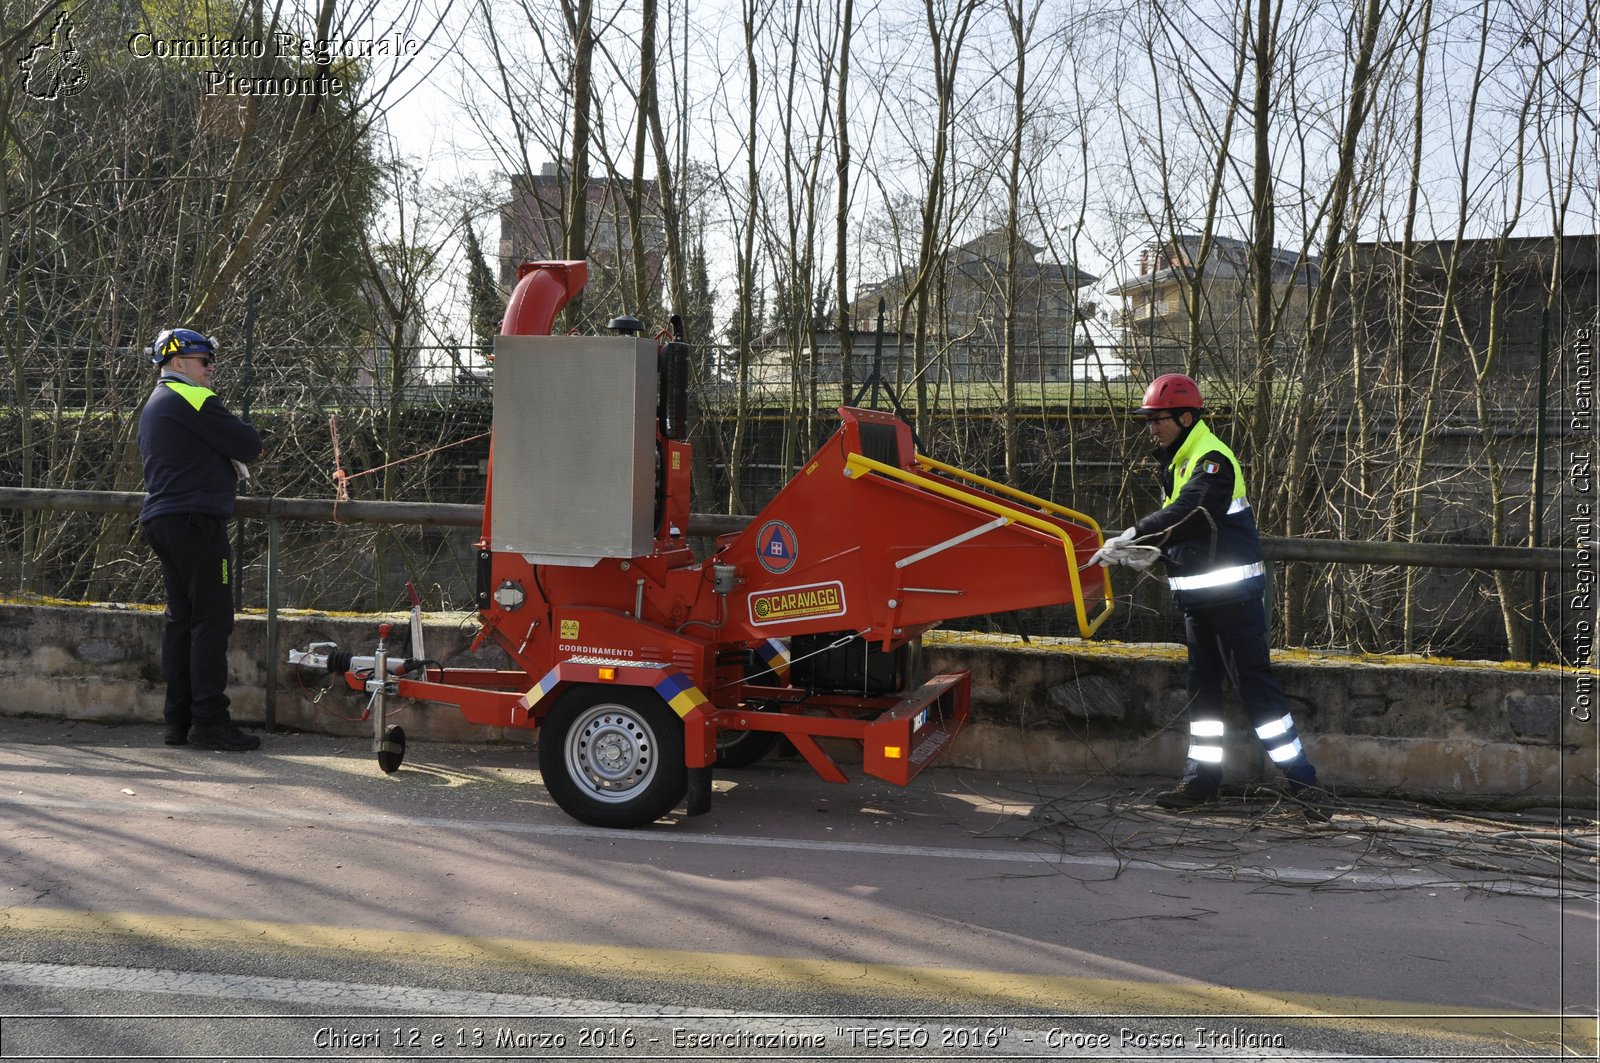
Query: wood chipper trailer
(643, 666)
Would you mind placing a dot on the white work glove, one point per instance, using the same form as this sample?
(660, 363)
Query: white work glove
(1138, 557)
(240, 469)
(1122, 550)
(1110, 553)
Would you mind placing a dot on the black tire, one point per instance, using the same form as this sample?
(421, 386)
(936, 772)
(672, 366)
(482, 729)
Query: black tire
(393, 752)
(613, 756)
(740, 749)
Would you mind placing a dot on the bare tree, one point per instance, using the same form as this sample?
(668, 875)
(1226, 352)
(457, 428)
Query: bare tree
(133, 201)
(947, 27)
(843, 181)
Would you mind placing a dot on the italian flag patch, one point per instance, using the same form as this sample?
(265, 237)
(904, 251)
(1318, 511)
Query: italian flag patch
(1210, 468)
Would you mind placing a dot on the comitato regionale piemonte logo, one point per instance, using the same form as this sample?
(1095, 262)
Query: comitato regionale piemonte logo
(51, 70)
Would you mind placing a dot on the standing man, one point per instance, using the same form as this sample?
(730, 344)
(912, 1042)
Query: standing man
(194, 451)
(1207, 536)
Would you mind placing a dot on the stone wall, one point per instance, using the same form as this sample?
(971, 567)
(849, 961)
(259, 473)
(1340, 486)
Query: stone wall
(1055, 706)
(1380, 723)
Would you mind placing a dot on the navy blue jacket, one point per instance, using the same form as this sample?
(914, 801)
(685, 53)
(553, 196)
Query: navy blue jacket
(186, 436)
(1207, 531)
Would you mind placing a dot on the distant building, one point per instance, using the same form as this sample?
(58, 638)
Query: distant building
(1449, 338)
(1177, 285)
(968, 304)
(775, 358)
(533, 226)
(1530, 280)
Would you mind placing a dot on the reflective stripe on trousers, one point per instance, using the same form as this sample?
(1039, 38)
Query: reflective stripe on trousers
(1279, 738)
(1205, 741)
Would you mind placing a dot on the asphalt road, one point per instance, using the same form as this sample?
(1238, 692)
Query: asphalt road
(296, 903)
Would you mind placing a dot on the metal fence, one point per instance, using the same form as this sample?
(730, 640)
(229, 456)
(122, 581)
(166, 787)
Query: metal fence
(275, 515)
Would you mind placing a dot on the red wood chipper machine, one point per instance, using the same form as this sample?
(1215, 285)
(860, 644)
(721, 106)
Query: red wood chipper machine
(644, 666)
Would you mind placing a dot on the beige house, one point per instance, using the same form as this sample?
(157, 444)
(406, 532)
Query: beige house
(1189, 292)
(968, 306)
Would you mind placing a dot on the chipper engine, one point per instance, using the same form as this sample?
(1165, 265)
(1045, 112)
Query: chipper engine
(644, 666)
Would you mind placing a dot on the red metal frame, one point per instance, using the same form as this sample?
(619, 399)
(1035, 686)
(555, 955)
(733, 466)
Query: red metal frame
(869, 537)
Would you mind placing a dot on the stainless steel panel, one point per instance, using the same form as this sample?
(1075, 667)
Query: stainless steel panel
(574, 447)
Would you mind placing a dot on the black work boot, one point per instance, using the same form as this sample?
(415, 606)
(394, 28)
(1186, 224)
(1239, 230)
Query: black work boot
(178, 722)
(1186, 795)
(224, 736)
(1315, 803)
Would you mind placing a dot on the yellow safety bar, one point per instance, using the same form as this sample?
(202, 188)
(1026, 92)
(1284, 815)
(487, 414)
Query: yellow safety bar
(860, 463)
(1010, 492)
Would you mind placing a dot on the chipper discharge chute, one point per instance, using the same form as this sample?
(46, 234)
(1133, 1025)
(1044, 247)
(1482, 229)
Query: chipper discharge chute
(644, 666)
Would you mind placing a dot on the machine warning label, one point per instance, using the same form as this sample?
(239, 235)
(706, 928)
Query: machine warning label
(569, 629)
(797, 603)
(776, 547)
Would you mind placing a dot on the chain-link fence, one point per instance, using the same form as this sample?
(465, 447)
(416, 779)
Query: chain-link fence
(1075, 442)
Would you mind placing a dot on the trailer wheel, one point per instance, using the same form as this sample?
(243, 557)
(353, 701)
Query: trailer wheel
(613, 756)
(393, 750)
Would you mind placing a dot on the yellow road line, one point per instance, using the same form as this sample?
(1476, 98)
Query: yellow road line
(1050, 994)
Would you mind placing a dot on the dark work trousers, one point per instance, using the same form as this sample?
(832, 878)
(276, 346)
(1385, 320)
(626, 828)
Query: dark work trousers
(197, 569)
(1230, 642)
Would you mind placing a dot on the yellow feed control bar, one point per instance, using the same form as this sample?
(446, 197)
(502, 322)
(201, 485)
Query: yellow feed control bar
(855, 463)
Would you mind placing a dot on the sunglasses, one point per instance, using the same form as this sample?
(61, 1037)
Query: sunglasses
(204, 359)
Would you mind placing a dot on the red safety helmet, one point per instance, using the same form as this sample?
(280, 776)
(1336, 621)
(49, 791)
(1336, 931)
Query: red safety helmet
(1174, 391)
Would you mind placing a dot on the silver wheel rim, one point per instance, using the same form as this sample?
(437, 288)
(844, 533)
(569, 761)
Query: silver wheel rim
(611, 753)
